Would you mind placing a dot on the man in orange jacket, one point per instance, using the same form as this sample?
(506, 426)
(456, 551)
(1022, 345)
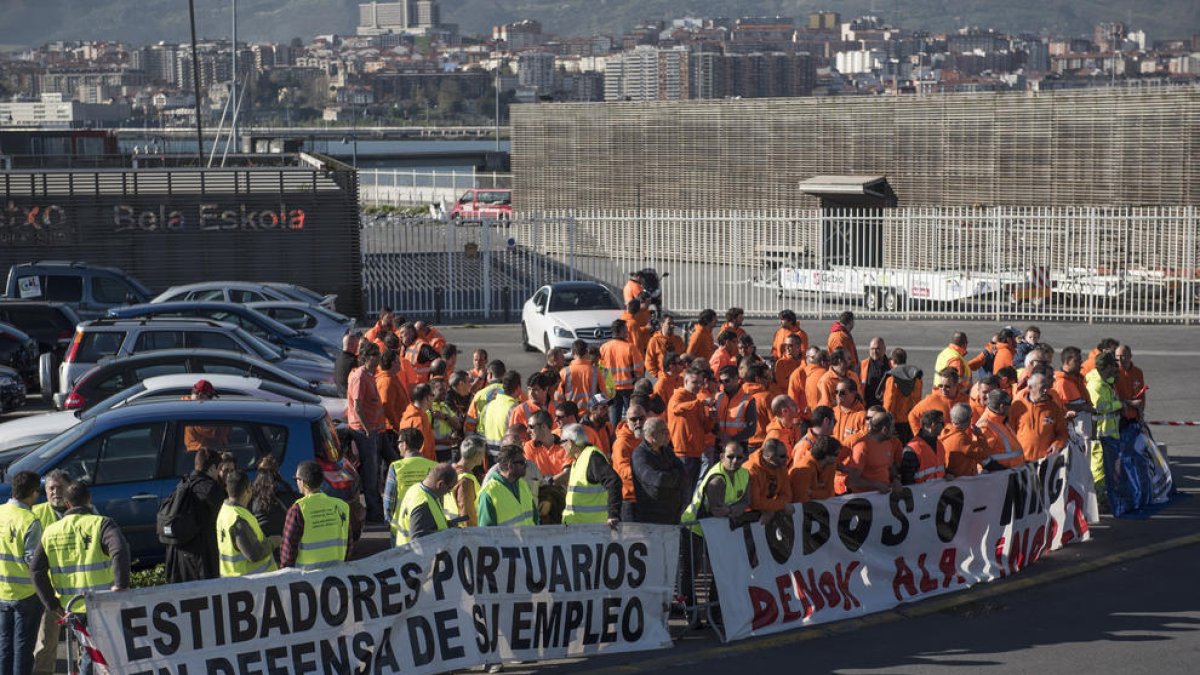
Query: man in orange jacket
(902, 390)
(1069, 386)
(581, 379)
(850, 415)
(840, 335)
(637, 324)
(840, 368)
(383, 326)
(813, 477)
(923, 458)
(770, 489)
(624, 363)
(823, 421)
(788, 326)
(736, 413)
(734, 316)
(661, 343)
(965, 447)
(785, 422)
(816, 363)
(688, 422)
(700, 343)
(1038, 420)
(726, 353)
(789, 361)
(1003, 446)
(945, 394)
(416, 415)
(629, 436)
(757, 379)
(1130, 385)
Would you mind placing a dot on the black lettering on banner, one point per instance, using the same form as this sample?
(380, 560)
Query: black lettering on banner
(242, 624)
(301, 665)
(364, 597)
(535, 584)
(446, 622)
(247, 659)
(303, 605)
(192, 607)
(1015, 496)
(336, 661)
(487, 631)
(160, 617)
(574, 619)
(361, 646)
(547, 624)
(386, 654)
(598, 568)
(893, 536)
(560, 580)
(590, 635)
(816, 526)
(581, 556)
(335, 601)
(854, 523)
(389, 604)
(487, 562)
(637, 553)
(780, 532)
(633, 616)
(218, 620)
(949, 512)
(520, 623)
(1057, 478)
(274, 616)
(420, 638)
(511, 554)
(608, 616)
(751, 548)
(1037, 483)
(479, 619)
(466, 570)
(411, 574)
(132, 632)
(277, 661)
(614, 573)
(443, 570)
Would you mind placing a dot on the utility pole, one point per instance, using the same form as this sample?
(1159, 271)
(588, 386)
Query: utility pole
(233, 86)
(196, 86)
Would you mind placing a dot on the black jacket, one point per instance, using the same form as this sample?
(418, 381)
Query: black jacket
(660, 485)
(197, 559)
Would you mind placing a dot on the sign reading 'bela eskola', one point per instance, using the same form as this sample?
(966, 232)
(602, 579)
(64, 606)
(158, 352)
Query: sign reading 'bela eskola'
(207, 217)
(446, 602)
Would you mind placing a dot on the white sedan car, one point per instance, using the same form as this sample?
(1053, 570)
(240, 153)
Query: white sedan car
(23, 434)
(559, 314)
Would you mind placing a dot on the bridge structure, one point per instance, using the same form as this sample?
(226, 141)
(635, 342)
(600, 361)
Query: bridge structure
(363, 133)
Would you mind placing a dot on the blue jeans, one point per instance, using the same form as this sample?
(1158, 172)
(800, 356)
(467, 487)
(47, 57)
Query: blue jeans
(368, 457)
(19, 622)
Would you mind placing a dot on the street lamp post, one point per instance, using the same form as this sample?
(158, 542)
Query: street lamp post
(498, 67)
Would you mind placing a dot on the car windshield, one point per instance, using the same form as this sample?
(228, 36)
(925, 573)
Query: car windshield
(300, 293)
(34, 460)
(262, 349)
(329, 314)
(582, 299)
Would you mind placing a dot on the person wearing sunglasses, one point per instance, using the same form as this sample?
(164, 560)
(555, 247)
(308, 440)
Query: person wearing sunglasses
(945, 394)
(723, 491)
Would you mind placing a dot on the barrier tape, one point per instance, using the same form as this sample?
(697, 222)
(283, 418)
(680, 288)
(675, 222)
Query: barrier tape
(1174, 423)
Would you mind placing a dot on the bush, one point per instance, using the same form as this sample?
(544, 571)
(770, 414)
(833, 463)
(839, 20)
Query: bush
(151, 576)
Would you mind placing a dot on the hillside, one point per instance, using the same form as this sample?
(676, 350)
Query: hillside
(33, 22)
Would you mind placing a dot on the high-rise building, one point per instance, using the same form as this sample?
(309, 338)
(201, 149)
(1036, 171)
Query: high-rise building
(647, 73)
(536, 69)
(825, 21)
(378, 18)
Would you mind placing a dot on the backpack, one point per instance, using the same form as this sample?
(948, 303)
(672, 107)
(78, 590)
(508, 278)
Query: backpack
(177, 522)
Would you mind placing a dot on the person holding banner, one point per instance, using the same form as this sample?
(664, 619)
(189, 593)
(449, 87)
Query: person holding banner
(410, 469)
(964, 447)
(45, 654)
(1108, 406)
(1130, 386)
(506, 499)
(871, 461)
(316, 533)
(923, 458)
(240, 542)
(660, 482)
(1038, 419)
(723, 492)
(1004, 448)
(79, 553)
(812, 477)
(770, 489)
(421, 511)
(593, 488)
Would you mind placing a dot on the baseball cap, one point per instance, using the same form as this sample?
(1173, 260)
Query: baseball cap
(598, 399)
(204, 388)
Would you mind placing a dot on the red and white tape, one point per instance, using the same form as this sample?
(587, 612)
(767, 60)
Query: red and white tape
(1174, 423)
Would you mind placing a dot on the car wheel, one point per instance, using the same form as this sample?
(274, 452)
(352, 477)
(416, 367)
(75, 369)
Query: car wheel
(525, 339)
(871, 300)
(891, 301)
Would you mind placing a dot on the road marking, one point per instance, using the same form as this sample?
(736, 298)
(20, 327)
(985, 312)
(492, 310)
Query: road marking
(933, 606)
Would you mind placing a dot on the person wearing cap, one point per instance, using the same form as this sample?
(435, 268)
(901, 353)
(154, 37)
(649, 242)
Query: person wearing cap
(1004, 448)
(598, 423)
(788, 326)
(212, 436)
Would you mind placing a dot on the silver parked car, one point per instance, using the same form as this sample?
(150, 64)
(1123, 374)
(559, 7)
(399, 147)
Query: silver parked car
(245, 291)
(324, 324)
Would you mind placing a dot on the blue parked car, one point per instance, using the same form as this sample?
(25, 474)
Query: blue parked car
(133, 457)
(252, 321)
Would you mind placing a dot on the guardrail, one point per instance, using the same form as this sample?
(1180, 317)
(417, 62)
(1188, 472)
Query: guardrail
(399, 187)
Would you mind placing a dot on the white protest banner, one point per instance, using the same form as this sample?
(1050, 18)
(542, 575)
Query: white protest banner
(449, 601)
(857, 554)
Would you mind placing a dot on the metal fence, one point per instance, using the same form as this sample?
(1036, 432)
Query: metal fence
(1082, 264)
(400, 187)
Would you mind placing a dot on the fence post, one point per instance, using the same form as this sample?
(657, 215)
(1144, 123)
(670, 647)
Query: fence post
(571, 234)
(486, 261)
(1189, 256)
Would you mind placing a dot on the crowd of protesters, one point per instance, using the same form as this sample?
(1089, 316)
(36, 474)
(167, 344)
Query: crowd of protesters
(650, 426)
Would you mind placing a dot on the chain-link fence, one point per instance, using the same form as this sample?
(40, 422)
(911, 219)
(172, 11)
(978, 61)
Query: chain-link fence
(1089, 264)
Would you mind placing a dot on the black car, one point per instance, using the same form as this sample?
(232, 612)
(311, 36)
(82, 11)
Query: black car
(19, 351)
(12, 390)
(52, 324)
(112, 375)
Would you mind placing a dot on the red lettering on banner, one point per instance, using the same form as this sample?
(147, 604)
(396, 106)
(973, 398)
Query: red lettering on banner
(813, 590)
(905, 581)
(1075, 503)
(765, 611)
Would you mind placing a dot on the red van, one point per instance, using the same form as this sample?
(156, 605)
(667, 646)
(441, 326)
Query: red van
(481, 203)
